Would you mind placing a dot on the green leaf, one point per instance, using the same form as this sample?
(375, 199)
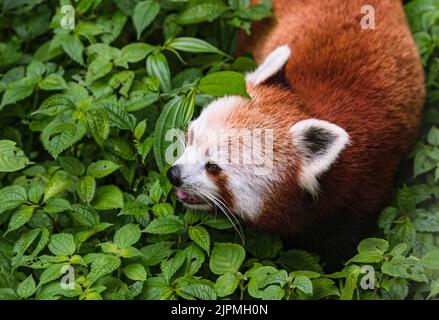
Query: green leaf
(135, 272)
(433, 136)
(25, 240)
(74, 48)
(85, 215)
(127, 235)
(72, 165)
(108, 197)
(188, 44)
(12, 158)
(140, 129)
(51, 273)
(52, 82)
(297, 259)
(58, 136)
(97, 69)
(170, 267)
(86, 187)
(165, 225)
(371, 244)
(226, 284)
(102, 265)
(160, 209)
(57, 184)
(199, 12)
(153, 254)
(20, 217)
(26, 288)
(223, 83)
(406, 268)
(431, 260)
(57, 205)
(17, 91)
(134, 52)
(144, 13)
(101, 168)
(99, 124)
(56, 104)
(304, 284)
(198, 290)
(434, 289)
(226, 257)
(62, 244)
(11, 197)
(169, 144)
(157, 66)
(200, 236)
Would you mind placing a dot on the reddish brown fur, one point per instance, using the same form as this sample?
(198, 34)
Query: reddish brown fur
(369, 82)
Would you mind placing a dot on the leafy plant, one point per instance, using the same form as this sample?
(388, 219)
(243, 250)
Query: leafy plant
(86, 211)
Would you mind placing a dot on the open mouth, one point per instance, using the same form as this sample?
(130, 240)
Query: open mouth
(189, 198)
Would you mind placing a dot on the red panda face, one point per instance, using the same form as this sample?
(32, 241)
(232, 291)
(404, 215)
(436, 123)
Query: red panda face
(239, 150)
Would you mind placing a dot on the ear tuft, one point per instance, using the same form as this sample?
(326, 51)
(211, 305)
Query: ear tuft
(318, 143)
(272, 64)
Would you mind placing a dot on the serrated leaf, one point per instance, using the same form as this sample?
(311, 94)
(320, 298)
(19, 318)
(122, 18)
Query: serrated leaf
(108, 197)
(226, 257)
(56, 104)
(11, 197)
(56, 205)
(165, 225)
(51, 273)
(198, 12)
(200, 236)
(127, 235)
(17, 91)
(102, 265)
(26, 288)
(58, 136)
(52, 82)
(85, 215)
(226, 284)
(72, 165)
(101, 168)
(57, 184)
(12, 158)
(99, 123)
(304, 284)
(62, 244)
(74, 48)
(97, 69)
(135, 272)
(86, 187)
(20, 217)
(170, 267)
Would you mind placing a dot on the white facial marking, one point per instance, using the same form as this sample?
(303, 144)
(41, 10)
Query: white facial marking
(271, 65)
(314, 164)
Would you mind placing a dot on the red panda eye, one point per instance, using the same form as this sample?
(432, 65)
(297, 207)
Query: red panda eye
(212, 168)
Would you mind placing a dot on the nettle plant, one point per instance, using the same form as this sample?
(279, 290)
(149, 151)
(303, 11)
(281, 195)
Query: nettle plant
(86, 211)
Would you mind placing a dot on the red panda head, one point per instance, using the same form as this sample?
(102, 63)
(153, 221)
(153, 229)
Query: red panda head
(239, 151)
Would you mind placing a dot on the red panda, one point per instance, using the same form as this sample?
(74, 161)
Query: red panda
(342, 104)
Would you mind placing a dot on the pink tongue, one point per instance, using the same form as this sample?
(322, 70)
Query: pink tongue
(182, 195)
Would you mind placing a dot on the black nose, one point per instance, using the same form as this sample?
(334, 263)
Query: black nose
(174, 176)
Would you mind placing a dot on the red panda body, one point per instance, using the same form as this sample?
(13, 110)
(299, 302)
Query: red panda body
(344, 105)
(367, 81)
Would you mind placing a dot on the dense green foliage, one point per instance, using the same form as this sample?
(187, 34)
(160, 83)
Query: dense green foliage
(84, 114)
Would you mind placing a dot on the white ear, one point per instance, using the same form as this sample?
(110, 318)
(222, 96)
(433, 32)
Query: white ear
(318, 143)
(271, 65)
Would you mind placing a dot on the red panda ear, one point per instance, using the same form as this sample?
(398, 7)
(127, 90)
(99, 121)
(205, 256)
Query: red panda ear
(318, 143)
(273, 64)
